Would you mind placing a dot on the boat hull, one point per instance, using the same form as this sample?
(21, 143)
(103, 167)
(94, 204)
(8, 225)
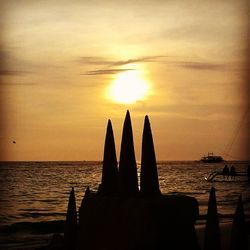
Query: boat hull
(210, 158)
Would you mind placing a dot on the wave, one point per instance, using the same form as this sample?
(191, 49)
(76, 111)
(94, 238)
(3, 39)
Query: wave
(41, 227)
(37, 214)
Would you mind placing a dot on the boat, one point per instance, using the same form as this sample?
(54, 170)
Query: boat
(211, 158)
(219, 176)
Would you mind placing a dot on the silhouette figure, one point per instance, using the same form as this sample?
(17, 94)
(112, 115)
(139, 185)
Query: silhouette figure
(232, 172)
(149, 184)
(70, 231)
(109, 169)
(128, 181)
(212, 231)
(248, 172)
(239, 232)
(226, 171)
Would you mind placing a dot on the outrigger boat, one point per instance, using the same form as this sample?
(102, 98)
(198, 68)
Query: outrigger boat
(212, 176)
(211, 158)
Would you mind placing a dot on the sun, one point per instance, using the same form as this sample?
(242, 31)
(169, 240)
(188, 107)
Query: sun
(128, 87)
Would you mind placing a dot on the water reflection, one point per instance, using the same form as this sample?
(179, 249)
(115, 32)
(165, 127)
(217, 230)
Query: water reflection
(39, 191)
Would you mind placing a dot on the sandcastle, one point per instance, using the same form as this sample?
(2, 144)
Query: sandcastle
(124, 216)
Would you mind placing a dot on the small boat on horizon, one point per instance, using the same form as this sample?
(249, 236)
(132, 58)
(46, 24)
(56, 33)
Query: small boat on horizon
(211, 158)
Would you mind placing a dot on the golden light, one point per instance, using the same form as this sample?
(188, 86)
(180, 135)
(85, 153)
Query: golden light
(128, 87)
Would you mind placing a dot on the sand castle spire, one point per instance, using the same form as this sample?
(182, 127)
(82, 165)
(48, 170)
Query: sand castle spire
(86, 195)
(149, 184)
(128, 181)
(109, 169)
(239, 233)
(212, 230)
(70, 231)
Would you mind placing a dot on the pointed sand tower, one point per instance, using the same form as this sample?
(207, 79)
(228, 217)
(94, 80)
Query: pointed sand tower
(149, 184)
(128, 181)
(109, 169)
(70, 231)
(212, 230)
(239, 238)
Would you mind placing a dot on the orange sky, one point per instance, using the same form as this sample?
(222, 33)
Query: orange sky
(59, 61)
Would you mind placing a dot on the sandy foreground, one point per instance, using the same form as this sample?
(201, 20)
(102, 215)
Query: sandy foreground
(42, 243)
(225, 230)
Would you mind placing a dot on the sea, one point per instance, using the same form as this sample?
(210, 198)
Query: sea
(34, 195)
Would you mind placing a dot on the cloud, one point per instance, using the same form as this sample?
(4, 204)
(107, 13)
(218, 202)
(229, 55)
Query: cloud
(195, 65)
(105, 71)
(109, 66)
(109, 63)
(11, 66)
(137, 60)
(201, 65)
(13, 72)
(108, 70)
(17, 83)
(94, 60)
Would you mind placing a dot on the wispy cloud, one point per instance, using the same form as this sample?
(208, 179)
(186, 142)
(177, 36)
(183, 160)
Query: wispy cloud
(105, 71)
(109, 66)
(11, 66)
(137, 60)
(17, 83)
(109, 63)
(201, 65)
(94, 60)
(13, 72)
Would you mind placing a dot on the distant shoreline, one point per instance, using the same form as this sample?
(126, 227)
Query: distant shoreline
(100, 161)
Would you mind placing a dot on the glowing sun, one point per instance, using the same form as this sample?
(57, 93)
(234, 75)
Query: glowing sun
(128, 87)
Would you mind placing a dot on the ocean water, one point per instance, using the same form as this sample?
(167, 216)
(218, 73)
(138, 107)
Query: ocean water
(34, 195)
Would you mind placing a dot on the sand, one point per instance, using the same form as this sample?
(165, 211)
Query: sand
(225, 230)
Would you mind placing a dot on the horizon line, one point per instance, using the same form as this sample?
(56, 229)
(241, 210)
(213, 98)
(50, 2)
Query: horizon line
(100, 161)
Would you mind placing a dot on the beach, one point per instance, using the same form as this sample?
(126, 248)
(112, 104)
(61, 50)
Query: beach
(34, 203)
(35, 242)
(68, 68)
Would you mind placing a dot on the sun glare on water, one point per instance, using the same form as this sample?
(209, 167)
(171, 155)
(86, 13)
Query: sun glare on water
(128, 87)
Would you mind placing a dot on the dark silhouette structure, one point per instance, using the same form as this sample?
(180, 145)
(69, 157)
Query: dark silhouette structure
(128, 182)
(248, 172)
(239, 239)
(212, 239)
(149, 184)
(226, 171)
(70, 231)
(233, 172)
(109, 183)
(120, 216)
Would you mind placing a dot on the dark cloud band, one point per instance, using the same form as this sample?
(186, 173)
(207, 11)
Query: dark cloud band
(106, 71)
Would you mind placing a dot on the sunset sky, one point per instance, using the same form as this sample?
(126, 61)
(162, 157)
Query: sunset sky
(69, 66)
